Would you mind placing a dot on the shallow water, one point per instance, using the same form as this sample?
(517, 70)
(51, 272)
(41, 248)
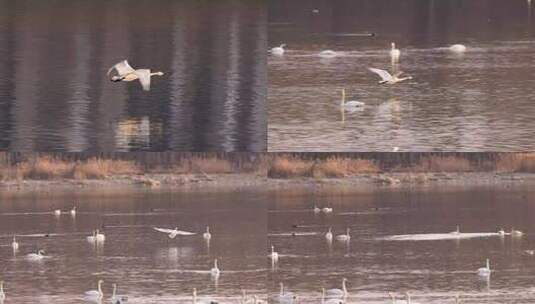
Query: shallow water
(431, 268)
(55, 95)
(479, 101)
(147, 265)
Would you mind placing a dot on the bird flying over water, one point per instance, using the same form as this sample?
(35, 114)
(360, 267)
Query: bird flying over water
(127, 73)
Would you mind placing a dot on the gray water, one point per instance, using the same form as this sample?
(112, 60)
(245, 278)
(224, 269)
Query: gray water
(433, 271)
(478, 101)
(147, 266)
(55, 95)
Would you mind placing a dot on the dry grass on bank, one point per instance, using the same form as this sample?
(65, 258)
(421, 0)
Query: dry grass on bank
(516, 162)
(441, 164)
(286, 166)
(204, 165)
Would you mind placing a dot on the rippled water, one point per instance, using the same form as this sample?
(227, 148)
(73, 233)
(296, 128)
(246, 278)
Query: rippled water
(479, 101)
(147, 266)
(433, 271)
(55, 95)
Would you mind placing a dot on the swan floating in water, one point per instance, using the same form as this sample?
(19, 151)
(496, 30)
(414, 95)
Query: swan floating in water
(457, 48)
(327, 210)
(95, 295)
(329, 301)
(215, 272)
(344, 237)
(329, 235)
(36, 256)
(207, 236)
(516, 233)
(14, 244)
(328, 54)
(284, 297)
(348, 105)
(73, 211)
(484, 271)
(457, 231)
(394, 53)
(2, 293)
(274, 255)
(172, 233)
(316, 209)
(100, 237)
(201, 301)
(57, 212)
(279, 50)
(336, 292)
(387, 78)
(92, 238)
(127, 73)
(117, 299)
(529, 252)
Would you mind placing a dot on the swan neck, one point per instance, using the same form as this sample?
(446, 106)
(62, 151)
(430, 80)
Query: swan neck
(281, 289)
(344, 289)
(322, 295)
(343, 96)
(114, 291)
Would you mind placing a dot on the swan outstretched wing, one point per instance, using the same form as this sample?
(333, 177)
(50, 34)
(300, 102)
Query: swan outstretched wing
(164, 230)
(178, 232)
(122, 68)
(144, 78)
(385, 76)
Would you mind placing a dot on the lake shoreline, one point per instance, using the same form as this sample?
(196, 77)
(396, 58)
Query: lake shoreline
(258, 182)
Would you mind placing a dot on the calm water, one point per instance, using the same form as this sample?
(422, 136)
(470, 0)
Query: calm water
(479, 101)
(55, 95)
(147, 265)
(433, 271)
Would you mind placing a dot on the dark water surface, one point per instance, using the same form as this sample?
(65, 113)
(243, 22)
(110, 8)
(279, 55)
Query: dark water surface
(480, 101)
(432, 271)
(146, 264)
(55, 95)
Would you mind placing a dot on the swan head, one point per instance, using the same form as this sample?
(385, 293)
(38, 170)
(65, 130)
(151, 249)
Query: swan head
(116, 78)
(41, 252)
(158, 74)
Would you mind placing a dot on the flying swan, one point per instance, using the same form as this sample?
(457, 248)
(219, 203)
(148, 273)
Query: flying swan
(127, 73)
(172, 233)
(387, 78)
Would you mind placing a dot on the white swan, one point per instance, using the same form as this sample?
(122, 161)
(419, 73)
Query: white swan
(327, 210)
(284, 297)
(36, 256)
(456, 231)
(344, 237)
(117, 299)
(529, 252)
(328, 54)
(274, 255)
(352, 104)
(215, 272)
(336, 292)
(73, 211)
(92, 238)
(316, 209)
(394, 53)
(516, 233)
(329, 301)
(279, 50)
(172, 233)
(95, 295)
(484, 271)
(387, 78)
(207, 236)
(2, 293)
(501, 232)
(100, 237)
(329, 235)
(201, 301)
(457, 48)
(57, 212)
(14, 244)
(127, 73)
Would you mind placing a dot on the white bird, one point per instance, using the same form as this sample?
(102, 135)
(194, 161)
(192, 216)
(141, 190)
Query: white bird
(394, 53)
(36, 256)
(117, 299)
(201, 301)
(57, 212)
(387, 78)
(274, 255)
(327, 210)
(395, 149)
(516, 233)
(329, 235)
(329, 301)
(215, 270)
(14, 244)
(484, 271)
(207, 236)
(336, 292)
(73, 211)
(279, 50)
(529, 252)
(95, 295)
(172, 233)
(316, 209)
(456, 231)
(2, 293)
(127, 73)
(457, 48)
(284, 297)
(92, 238)
(501, 232)
(100, 237)
(328, 54)
(344, 237)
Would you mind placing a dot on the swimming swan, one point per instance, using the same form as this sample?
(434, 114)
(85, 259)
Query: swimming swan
(328, 54)
(284, 297)
(100, 237)
(279, 50)
(348, 105)
(457, 48)
(327, 210)
(344, 237)
(172, 233)
(2, 293)
(92, 238)
(73, 211)
(329, 301)
(484, 271)
(516, 233)
(336, 292)
(387, 78)
(316, 209)
(95, 294)
(274, 255)
(36, 256)
(117, 299)
(394, 53)
(329, 235)
(456, 231)
(57, 212)
(215, 270)
(207, 236)
(15, 244)
(201, 301)
(127, 73)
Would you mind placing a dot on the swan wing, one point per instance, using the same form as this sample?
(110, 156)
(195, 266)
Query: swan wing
(385, 76)
(92, 293)
(122, 68)
(164, 230)
(180, 232)
(144, 78)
